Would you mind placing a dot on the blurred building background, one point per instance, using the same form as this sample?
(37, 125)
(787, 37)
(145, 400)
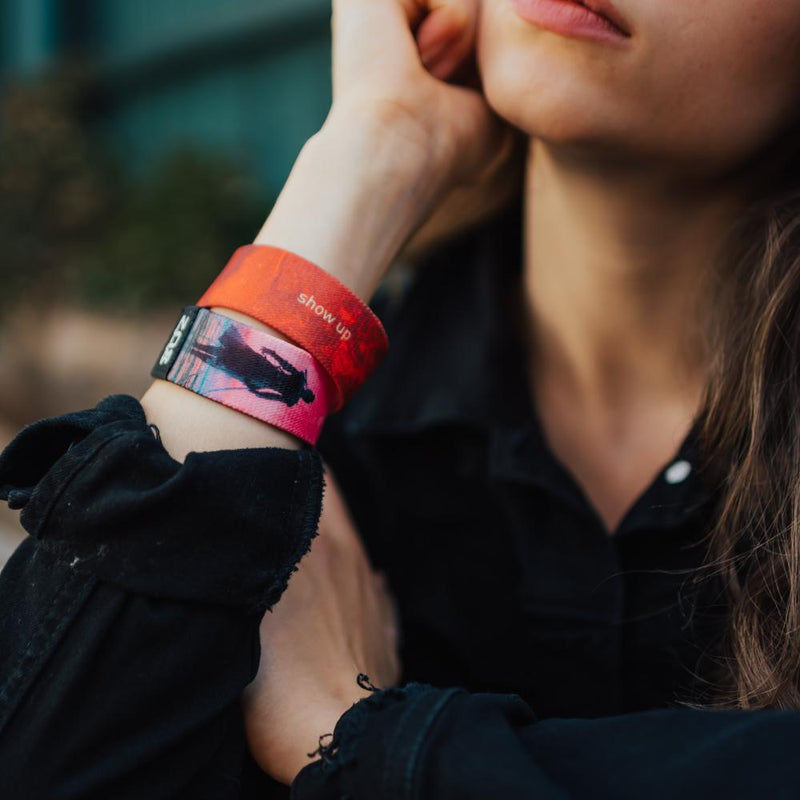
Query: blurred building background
(140, 142)
(249, 78)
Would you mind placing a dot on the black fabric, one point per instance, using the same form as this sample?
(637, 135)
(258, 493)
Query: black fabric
(543, 657)
(446, 744)
(168, 520)
(506, 577)
(129, 618)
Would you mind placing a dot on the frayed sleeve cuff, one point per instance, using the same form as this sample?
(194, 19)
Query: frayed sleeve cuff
(378, 746)
(98, 491)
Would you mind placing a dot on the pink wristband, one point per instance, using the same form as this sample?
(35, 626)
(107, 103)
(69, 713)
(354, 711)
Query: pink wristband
(248, 370)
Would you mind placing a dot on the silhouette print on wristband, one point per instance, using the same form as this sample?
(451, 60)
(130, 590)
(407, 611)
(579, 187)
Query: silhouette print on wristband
(248, 370)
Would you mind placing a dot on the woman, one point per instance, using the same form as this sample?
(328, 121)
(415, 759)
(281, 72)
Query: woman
(611, 386)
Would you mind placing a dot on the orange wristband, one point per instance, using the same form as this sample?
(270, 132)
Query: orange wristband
(302, 301)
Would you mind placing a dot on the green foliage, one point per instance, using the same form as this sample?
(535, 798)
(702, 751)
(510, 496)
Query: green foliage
(74, 226)
(171, 234)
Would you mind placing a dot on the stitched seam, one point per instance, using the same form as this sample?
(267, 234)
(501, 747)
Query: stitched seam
(409, 784)
(40, 645)
(401, 758)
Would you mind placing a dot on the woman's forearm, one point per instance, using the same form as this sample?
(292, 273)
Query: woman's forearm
(129, 617)
(357, 191)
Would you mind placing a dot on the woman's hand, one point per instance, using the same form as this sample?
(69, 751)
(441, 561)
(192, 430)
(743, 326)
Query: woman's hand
(335, 620)
(391, 59)
(396, 142)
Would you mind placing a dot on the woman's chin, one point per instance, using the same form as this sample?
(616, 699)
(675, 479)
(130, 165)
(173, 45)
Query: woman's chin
(557, 121)
(556, 89)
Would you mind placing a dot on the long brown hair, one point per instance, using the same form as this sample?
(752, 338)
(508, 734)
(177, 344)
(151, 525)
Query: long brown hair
(751, 433)
(749, 421)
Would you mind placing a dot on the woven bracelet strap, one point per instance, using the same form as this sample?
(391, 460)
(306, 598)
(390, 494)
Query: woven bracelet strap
(309, 306)
(248, 370)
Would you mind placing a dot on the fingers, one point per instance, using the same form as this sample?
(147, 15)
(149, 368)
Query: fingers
(336, 523)
(411, 11)
(440, 34)
(335, 514)
(371, 34)
(446, 36)
(388, 607)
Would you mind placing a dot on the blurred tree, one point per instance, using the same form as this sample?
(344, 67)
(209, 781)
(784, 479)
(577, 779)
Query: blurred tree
(74, 226)
(170, 233)
(53, 184)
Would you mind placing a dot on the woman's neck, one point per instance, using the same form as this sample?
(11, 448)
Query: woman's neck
(613, 286)
(613, 275)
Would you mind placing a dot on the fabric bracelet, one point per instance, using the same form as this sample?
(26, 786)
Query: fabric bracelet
(309, 306)
(248, 370)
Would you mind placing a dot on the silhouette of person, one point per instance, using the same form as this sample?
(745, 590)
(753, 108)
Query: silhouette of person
(264, 373)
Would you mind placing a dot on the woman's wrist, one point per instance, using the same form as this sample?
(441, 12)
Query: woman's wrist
(358, 190)
(356, 193)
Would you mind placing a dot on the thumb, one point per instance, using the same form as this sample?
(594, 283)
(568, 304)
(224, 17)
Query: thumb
(396, 33)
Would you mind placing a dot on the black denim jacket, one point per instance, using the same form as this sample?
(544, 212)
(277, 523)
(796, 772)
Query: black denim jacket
(543, 658)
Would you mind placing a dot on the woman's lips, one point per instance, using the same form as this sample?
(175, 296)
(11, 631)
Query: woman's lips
(593, 19)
